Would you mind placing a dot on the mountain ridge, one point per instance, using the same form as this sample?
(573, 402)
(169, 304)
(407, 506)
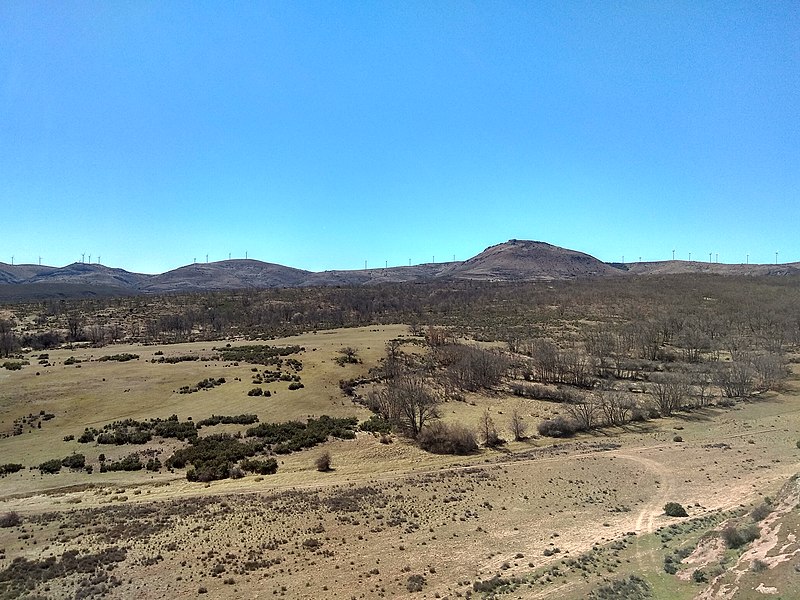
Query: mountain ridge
(514, 260)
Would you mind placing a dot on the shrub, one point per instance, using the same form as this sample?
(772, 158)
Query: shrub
(260, 467)
(295, 385)
(415, 583)
(50, 467)
(673, 509)
(631, 587)
(489, 586)
(74, 461)
(677, 438)
(556, 427)
(244, 419)
(119, 357)
(760, 512)
(323, 462)
(758, 566)
(10, 519)
(736, 537)
(132, 462)
(441, 438)
(86, 437)
(9, 468)
(376, 424)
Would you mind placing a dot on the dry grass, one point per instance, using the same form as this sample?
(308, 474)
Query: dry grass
(387, 512)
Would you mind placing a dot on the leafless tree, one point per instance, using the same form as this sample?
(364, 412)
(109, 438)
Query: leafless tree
(670, 391)
(75, 326)
(407, 402)
(616, 407)
(583, 413)
(7, 337)
(488, 430)
(736, 379)
(770, 368)
(517, 425)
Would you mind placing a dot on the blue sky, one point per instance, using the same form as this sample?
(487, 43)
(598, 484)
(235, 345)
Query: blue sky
(323, 134)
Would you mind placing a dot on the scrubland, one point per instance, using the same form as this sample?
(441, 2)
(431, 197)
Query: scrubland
(571, 415)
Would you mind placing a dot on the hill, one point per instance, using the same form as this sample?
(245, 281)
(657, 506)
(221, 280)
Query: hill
(522, 260)
(515, 260)
(226, 274)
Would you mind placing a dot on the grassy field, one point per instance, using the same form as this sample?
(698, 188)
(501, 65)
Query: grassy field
(541, 518)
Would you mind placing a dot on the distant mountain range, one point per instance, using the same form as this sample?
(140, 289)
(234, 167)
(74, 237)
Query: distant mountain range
(515, 260)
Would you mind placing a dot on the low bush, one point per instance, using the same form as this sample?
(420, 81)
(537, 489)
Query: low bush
(323, 462)
(415, 583)
(132, 462)
(557, 427)
(760, 512)
(51, 467)
(441, 438)
(74, 461)
(736, 537)
(260, 467)
(119, 357)
(632, 587)
(489, 586)
(261, 354)
(9, 468)
(673, 509)
(245, 419)
(10, 519)
(292, 436)
(376, 424)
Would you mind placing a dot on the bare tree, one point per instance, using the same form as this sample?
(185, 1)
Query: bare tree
(487, 430)
(7, 338)
(583, 413)
(517, 425)
(616, 407)
(670, 391)
(74, 326)
(770, 368)
(736, 379)
(407, 402)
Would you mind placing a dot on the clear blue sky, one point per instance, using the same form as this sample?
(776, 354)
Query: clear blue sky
(323, 134)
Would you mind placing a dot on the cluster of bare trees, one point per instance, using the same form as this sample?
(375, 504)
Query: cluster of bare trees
(413, 386)
(407, 401)
(8, 339)
(550, 364)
